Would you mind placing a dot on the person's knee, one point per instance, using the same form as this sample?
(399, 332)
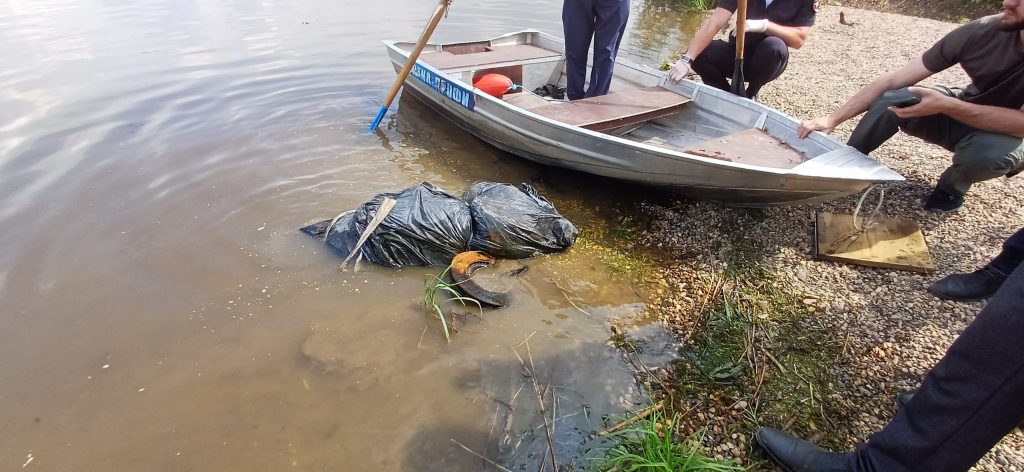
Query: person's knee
(989, 153)
(774, 47)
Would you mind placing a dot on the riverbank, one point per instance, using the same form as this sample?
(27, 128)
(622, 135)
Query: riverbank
(821, 348)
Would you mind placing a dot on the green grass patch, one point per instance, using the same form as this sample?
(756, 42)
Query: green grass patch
(698, 5)
(650, 444)
(760, 345)
(436, 292)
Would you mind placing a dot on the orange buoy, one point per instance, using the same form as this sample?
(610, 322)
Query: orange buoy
(494, 85)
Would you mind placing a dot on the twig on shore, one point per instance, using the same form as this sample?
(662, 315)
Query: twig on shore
(480, 456)
(633, 419)
(540, 396)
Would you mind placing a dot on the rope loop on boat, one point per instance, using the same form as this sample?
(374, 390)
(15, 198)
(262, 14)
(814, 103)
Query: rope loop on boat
(872, 220)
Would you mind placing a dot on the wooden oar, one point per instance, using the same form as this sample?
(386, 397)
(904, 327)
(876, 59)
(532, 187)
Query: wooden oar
(741, 36)
(442, 6)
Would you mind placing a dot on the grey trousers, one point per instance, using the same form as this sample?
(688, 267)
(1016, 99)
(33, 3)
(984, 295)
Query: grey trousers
(977, 155)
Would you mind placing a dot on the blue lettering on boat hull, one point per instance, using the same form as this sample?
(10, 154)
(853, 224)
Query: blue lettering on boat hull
(443, 86)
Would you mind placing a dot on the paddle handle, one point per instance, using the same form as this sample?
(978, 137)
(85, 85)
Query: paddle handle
(741, 28)
(442, 5)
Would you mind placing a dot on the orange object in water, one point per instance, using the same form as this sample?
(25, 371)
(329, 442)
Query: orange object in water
(494, 85)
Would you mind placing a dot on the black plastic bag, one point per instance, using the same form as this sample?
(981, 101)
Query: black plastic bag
(426, 227)
(515, 223)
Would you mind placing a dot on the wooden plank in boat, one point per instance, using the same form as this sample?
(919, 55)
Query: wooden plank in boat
(525, 100)
(891, 243)
(751, 146)
(497, 55)
(615, 109)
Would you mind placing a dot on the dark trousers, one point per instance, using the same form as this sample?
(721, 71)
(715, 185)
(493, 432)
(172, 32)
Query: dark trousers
(1011, 256)
(764, 60)
(971, 399)
(977, 155)
(604, 21)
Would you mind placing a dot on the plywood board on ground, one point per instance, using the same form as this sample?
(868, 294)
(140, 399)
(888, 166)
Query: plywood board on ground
(891, 243)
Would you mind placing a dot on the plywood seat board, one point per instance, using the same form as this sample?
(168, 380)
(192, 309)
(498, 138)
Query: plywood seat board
(615, 109)
(445, 60)
(750, 146)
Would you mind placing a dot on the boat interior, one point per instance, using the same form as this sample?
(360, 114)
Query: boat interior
(638, 107)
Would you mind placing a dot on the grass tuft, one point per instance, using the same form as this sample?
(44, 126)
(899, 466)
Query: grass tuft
(649, 445)
(432, 303)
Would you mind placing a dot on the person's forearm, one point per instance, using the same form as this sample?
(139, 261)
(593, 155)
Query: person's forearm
(707, 32)
(987, 118)
(910, 74)
(793, 36)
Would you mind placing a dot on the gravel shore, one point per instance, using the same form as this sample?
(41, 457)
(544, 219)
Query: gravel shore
(897, 330)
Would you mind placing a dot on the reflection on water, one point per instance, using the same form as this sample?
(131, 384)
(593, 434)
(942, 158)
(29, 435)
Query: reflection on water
(660, 28)
(161, 312)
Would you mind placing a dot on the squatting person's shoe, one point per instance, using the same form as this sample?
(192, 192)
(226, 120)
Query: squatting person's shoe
(982, 283)
(797, 455)
(944, 201)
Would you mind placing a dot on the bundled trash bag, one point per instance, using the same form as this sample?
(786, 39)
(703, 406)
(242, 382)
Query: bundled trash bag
(426, 227)
(515, 223)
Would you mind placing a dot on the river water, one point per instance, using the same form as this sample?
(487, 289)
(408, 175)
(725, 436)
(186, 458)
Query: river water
(160, 311)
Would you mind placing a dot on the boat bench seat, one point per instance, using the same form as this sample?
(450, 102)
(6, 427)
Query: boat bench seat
(496, 56)
(616, 109)
(750, 146)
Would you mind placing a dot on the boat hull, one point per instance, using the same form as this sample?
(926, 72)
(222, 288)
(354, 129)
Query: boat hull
(835, 170)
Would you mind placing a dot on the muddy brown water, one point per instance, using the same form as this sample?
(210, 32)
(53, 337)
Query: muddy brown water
(158, 308)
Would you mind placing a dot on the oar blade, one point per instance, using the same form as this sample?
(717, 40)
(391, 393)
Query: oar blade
(380, 116)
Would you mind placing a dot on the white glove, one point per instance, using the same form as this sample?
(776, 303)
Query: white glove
(756, 26)
(678, 72)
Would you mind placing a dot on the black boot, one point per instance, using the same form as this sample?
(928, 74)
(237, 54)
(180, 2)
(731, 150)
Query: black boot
(979, 284)
(797, 455)
(944, 200)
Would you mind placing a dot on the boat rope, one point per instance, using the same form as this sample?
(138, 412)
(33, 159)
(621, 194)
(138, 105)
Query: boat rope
(872, 220)
(843, 244)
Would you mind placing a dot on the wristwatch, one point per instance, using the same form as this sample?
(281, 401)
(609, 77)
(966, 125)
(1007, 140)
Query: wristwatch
(686, 59)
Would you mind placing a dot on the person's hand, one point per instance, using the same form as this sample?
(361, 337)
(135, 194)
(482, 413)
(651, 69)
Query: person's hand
(678, 72)
(821, 123)
(756, 26)
(933, 102)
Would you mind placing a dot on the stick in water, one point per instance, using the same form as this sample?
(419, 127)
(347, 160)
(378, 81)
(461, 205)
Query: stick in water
(382, 212)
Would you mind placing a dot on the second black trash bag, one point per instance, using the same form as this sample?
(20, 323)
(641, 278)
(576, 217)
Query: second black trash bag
(427, 227)
(515, 223)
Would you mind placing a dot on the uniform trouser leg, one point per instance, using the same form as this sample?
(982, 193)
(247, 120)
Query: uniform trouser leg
(765, 61)
(1011, 256)
(611, 18)
(578, 27)
(715, 64)
(977, 155)
(967, 403)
